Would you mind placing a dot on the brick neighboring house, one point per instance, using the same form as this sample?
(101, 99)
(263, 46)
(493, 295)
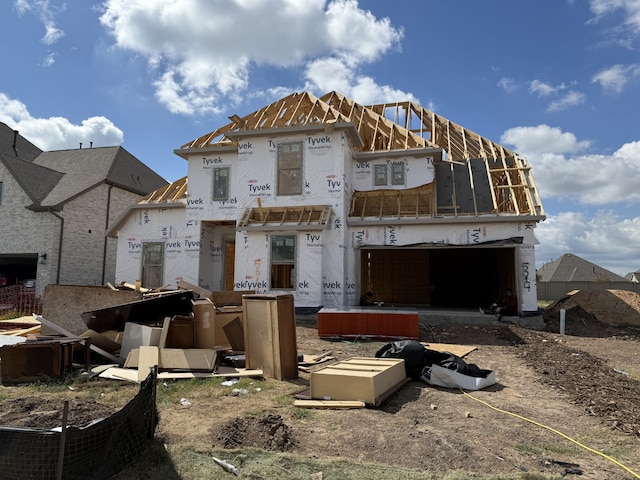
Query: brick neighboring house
(56, 206)
(325, 199)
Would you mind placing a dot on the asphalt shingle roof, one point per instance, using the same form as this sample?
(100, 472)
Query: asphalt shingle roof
(52, 178)
(15, 145)
(571, 268)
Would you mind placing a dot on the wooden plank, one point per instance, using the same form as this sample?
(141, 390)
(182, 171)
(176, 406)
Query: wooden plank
(131, 375)
(328, 403)
(67, 333)
(149, 356)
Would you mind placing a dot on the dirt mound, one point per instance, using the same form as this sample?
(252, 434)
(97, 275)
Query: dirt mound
(268, 432)
(34, 412)
(610, 307)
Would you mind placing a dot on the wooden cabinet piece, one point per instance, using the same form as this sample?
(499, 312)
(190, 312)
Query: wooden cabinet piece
(270, 335)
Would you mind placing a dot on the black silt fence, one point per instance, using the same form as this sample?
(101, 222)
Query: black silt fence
(96, 451)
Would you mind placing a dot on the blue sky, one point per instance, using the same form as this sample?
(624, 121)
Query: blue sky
(558, 81)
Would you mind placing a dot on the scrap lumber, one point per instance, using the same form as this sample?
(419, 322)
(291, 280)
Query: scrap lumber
(67, 333)
(149, 357)
(131, 375)
(328, 403)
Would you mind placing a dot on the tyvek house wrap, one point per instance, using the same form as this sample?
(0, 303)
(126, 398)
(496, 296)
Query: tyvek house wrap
(319, 258)
(166, 225)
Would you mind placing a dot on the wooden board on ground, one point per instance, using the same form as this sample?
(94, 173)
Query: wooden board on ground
(459, 350)
(328, 403)
(131, 375)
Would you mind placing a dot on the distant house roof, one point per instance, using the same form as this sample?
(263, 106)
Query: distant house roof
(51, 179)
(571, 268)
(15, 145)
(87, 167)
(633, 276)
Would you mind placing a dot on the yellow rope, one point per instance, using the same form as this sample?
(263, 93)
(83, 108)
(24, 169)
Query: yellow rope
(554, 431)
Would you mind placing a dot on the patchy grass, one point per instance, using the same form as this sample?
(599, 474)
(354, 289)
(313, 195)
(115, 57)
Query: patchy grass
(188, 463)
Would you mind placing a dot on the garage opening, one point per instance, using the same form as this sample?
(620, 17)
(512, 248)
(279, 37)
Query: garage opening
(16, 269)
(455, 277)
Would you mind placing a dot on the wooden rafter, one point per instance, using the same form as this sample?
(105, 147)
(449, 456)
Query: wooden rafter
(392, 127)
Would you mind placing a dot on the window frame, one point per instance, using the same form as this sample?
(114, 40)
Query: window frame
(397, 179)
(380, 180)
(284, 173)
(280, 267)
(152, 270)
(214, 187)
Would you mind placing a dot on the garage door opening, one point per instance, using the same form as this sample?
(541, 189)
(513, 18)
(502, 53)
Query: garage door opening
(18, 268)
(453, 277)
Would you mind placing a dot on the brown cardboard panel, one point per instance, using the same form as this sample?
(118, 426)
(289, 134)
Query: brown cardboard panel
(180, 332)
(203, 313)
(234, 333)
(29, 362)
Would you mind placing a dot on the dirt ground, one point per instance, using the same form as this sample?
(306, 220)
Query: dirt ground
(562, 404)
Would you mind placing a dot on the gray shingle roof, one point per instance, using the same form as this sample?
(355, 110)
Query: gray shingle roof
(15, 145)
(86, 168)
(52, 178)
(571, 268)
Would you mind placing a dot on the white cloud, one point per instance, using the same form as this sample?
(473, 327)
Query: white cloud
(563, 96)
(327, 74)
(507, 84)
(604, 239)
(50, 59)
(205, 50)
(570, 99)
(46, 13)
(541, 88)
(56, 133)
(615, 78)
(542, 139)
(629, 8)
(563, 174)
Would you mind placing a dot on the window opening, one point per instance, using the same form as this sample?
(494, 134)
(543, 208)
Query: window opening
(380, 175)
(290, 168)
(397, 173)
(221, 183)
(283, 255)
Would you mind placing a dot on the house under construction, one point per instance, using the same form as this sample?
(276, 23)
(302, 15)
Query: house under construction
(325, 199)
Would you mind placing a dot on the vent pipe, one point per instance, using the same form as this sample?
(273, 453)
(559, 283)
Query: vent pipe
(80, 145)
(15, 138)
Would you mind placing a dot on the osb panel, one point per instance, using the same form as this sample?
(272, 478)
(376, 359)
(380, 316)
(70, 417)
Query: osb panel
(63, 304)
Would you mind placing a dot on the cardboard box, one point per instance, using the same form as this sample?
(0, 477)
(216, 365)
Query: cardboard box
(443, 377)
(178, 332)
(209, 323)
(371, 380)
